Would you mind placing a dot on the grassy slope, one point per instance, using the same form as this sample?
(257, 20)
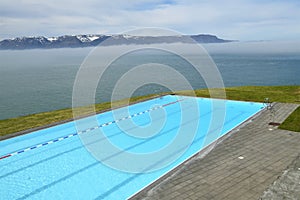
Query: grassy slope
(292, 123)
(286, 94)
(17, 124)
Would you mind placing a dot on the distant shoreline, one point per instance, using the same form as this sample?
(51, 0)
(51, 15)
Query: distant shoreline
(80, 41)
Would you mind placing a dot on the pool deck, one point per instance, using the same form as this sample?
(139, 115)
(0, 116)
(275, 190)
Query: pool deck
(253, 163)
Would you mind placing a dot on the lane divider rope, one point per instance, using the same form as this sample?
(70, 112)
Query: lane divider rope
(87, 130)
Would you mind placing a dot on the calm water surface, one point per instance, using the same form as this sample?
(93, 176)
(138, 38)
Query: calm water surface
(33, 81)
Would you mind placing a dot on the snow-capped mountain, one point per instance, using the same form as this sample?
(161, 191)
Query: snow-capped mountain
(74, 41)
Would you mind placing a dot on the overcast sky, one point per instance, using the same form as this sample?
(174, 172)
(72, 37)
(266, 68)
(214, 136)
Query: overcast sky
(230, 19)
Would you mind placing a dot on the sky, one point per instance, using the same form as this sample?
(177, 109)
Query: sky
(232, 19)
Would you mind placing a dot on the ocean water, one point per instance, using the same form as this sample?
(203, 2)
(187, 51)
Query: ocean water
(33, 81)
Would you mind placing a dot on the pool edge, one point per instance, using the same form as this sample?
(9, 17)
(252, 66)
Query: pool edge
(27, 131)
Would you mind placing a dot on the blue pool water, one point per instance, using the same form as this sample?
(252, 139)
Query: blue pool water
(56, 164)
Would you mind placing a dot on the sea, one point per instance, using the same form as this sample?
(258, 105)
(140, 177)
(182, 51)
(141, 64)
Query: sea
(40, 80)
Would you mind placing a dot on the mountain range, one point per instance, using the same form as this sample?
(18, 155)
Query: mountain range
(76, 41)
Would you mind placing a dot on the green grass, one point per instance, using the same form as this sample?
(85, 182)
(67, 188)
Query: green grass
(286, 94)
(18, 124)
(292, 123)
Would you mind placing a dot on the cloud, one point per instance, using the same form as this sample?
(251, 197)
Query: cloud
(242, 19)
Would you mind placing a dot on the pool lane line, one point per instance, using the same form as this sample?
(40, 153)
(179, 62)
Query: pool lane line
(88, 130)
(76, 148)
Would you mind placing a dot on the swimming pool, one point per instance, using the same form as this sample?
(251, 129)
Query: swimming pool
(53, 163)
